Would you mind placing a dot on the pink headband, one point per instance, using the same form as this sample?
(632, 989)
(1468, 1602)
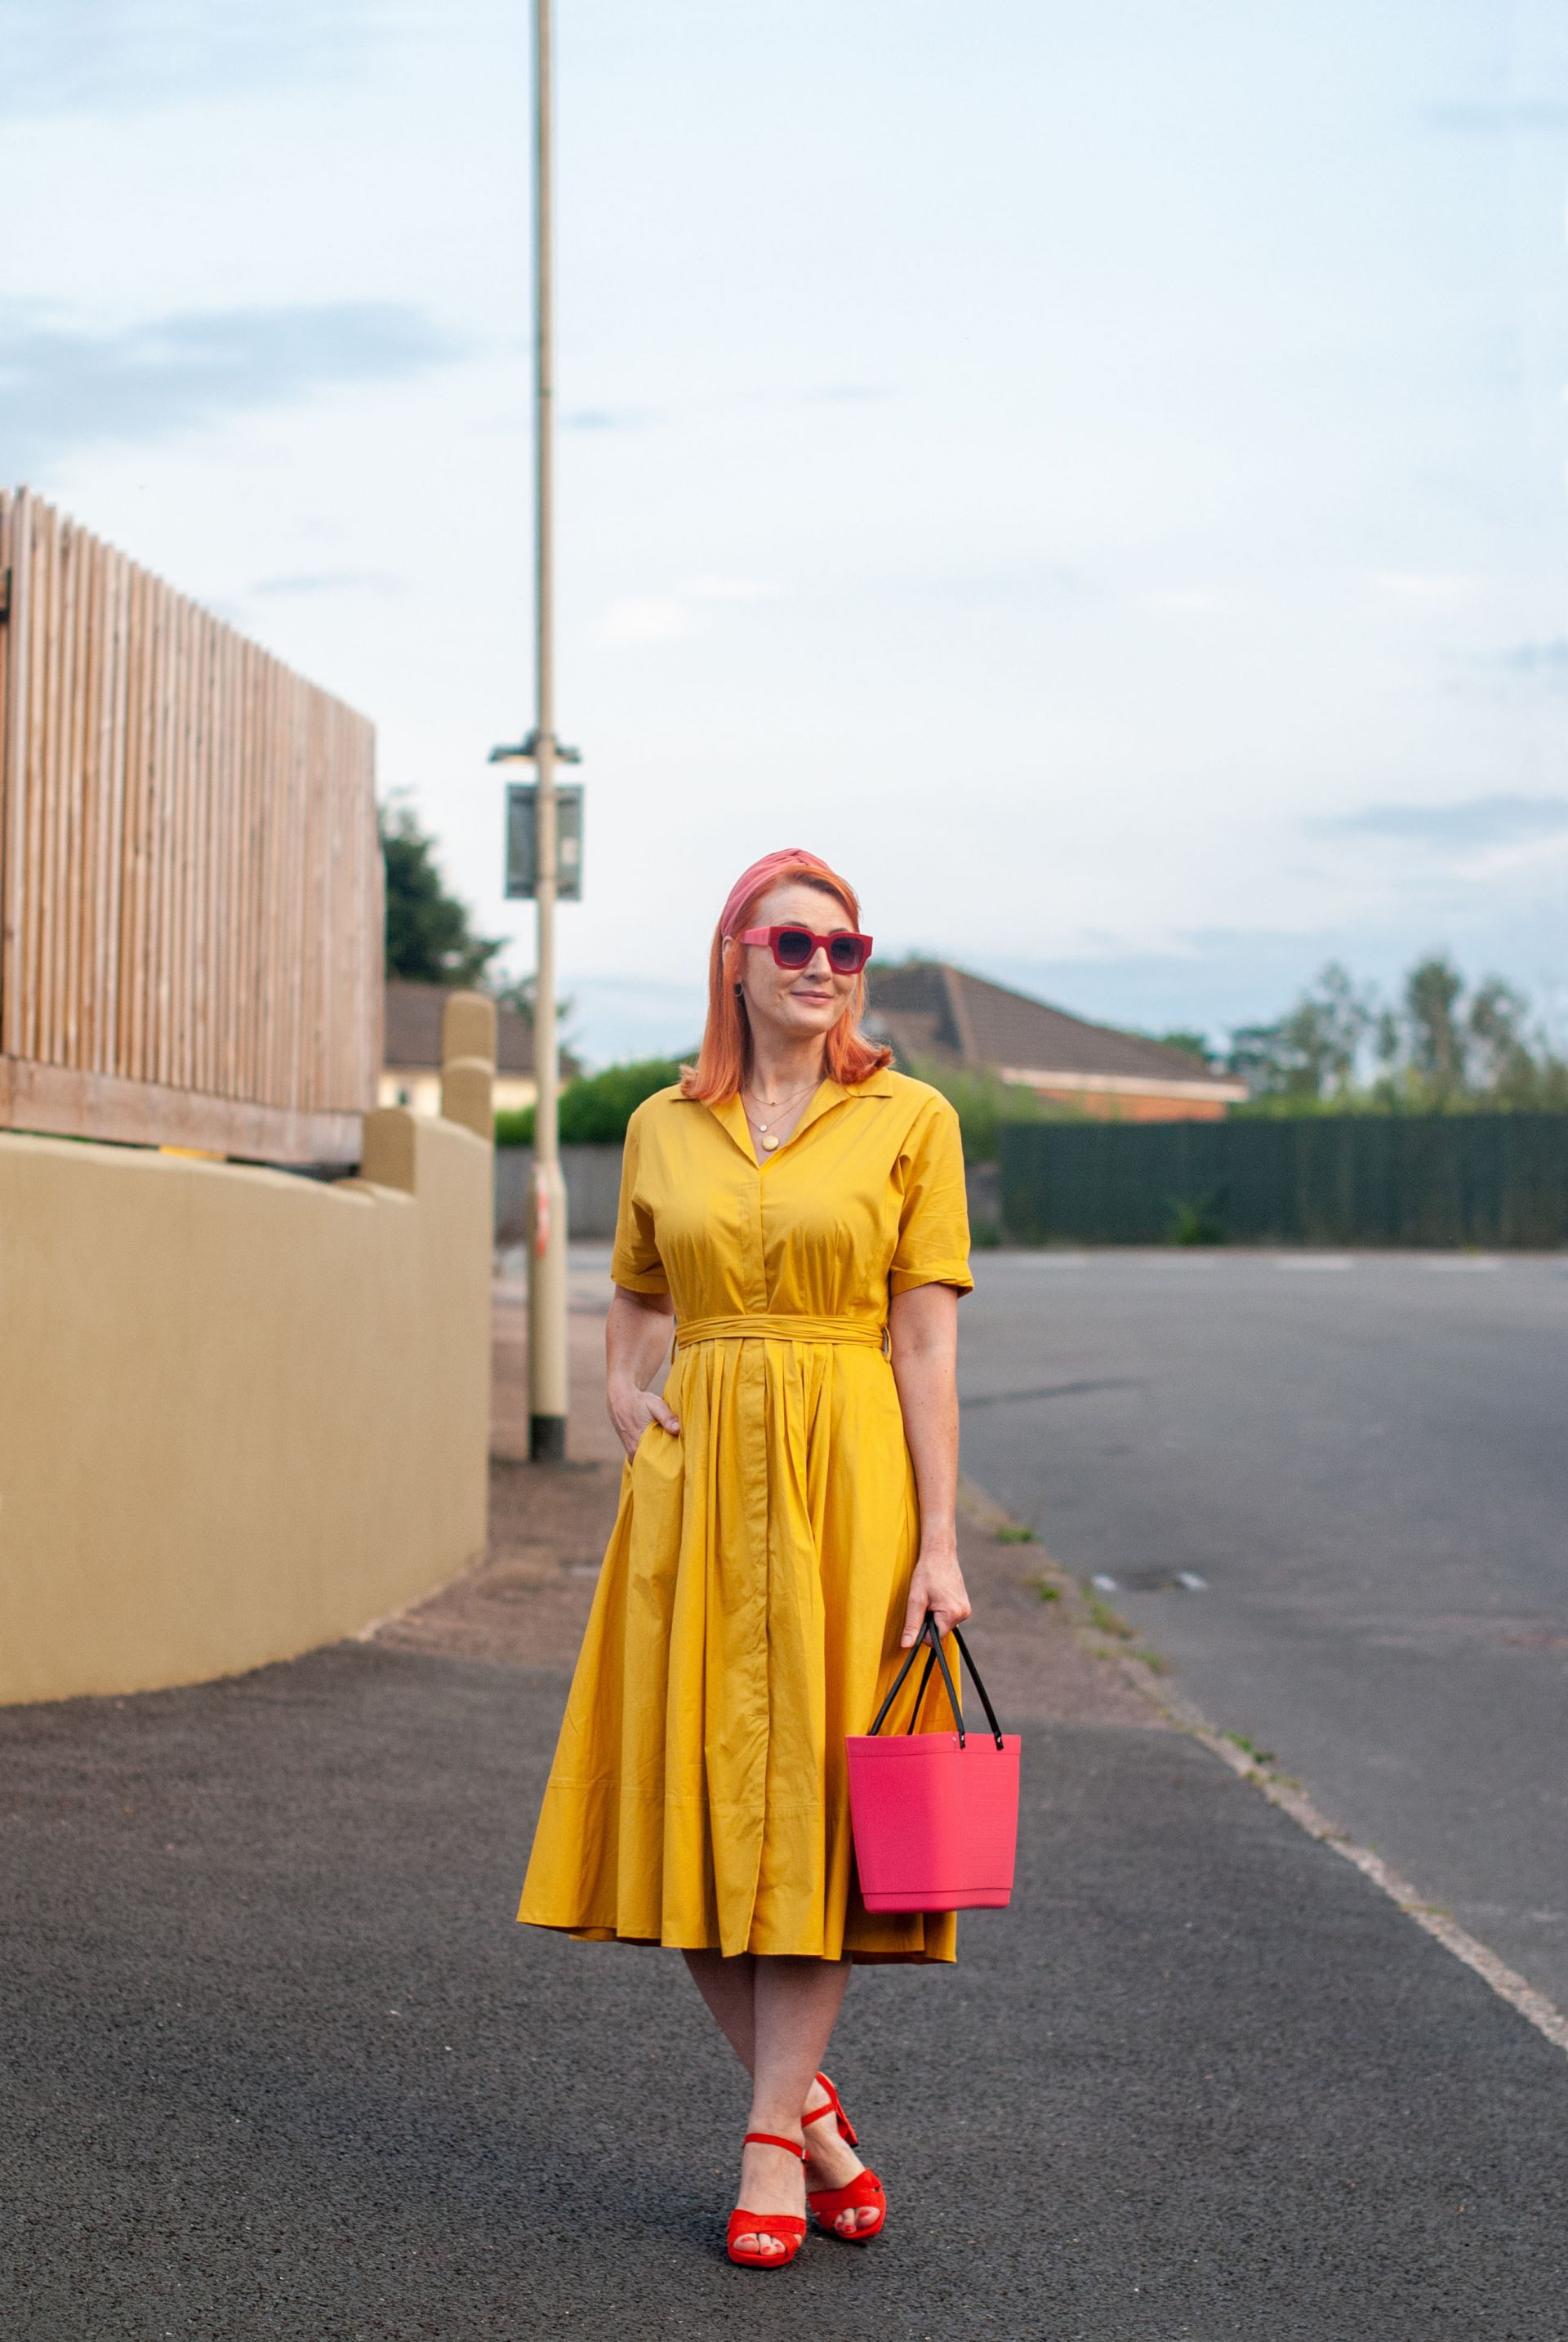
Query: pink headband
(751, 882)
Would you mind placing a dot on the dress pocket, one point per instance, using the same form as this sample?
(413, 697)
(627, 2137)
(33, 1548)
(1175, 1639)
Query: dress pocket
(658, 1454)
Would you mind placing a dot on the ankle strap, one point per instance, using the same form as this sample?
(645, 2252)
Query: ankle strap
(766, 2138)
(832, 2106)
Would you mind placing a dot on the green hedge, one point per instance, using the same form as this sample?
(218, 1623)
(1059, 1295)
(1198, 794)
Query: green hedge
(596, 1108)
(984, 1103)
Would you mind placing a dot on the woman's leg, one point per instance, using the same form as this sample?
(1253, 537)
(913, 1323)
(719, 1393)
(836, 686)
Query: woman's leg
(729, 1988)
(794, 2006)
(729, 1985)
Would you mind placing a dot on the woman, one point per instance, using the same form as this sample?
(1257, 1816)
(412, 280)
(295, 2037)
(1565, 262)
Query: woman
(786, 1522)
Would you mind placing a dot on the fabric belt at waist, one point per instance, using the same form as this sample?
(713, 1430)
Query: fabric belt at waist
(780, 1325)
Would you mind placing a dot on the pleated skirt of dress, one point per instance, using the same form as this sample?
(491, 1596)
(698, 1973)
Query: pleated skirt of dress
(747, 1618)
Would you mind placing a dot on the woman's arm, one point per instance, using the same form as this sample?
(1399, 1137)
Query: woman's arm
(923, 1326)
(636, 1345)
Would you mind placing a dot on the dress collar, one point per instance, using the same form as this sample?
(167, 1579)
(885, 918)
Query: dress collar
(731, 1114)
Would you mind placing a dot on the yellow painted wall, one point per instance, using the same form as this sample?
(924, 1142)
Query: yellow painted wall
(241, 1413)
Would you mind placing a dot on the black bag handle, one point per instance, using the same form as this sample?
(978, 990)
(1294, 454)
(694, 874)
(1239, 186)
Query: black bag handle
(937, 1657)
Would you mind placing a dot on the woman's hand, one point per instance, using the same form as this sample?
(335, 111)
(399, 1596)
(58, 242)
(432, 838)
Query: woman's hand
(937, 1586)
(632, 1410)
(636, 1348)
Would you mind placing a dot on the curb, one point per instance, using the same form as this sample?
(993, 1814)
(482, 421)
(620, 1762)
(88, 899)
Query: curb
(1183, 1714)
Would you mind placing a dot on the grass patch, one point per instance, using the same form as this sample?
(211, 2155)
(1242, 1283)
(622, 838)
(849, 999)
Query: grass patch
(1106, 1621)
(1043, 1589)
(1014, 1533)
(1194, 1220)
(1153, 1661)
(1250, 1749)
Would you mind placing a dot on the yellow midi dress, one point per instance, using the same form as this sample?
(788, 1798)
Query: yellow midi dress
(752, 1598)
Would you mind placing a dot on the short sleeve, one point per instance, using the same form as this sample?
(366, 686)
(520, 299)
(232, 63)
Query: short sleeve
(933, 1224)
(635, 1261)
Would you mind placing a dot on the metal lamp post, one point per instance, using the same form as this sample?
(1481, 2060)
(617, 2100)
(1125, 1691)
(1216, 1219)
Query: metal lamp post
(548, 1380)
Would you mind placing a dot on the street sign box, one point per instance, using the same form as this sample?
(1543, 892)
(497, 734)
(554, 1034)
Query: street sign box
(522, 841)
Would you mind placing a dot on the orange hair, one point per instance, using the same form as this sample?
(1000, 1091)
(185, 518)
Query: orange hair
(723, 1060)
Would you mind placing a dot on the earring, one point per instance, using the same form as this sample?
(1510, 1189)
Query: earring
(740, 991)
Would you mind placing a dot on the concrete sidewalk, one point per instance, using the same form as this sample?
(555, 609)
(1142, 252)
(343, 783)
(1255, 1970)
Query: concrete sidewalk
(279, 2063)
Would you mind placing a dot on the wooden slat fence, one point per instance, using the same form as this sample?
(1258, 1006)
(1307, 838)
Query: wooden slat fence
(190, 872)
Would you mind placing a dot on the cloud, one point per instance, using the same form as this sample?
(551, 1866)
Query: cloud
(1464, 825)
(1443, 590)
(729, 589)
(661, 618)
(61, 388)
(607, 418)
(1025, 582)
(848, 394)
(1549, 658)
(1504, 114)
(1182, 601)
(639, 418)
(646, 618)
(128, 56)
(328, 581)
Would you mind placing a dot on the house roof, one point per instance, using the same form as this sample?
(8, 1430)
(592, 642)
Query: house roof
(412, 1044)
(931, 1009)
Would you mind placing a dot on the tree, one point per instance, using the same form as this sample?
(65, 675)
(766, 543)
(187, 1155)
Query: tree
(1441, 1048)
(517, 993)
(1190, 1043)
(982, 1102)
(430, 937)
(1495, 1043)
(1435, 1036)
(1312, 1050)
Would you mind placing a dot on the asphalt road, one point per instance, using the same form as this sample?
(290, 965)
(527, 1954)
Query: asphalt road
(1366, 1460)
(279, 2067)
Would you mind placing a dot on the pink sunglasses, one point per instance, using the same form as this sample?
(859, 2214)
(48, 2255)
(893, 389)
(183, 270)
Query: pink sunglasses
(847, 953)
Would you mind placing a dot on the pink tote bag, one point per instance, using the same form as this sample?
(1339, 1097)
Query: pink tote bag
(935, 1814)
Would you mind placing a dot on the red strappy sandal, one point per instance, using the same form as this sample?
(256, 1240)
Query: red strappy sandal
(785, 2227)
(864, 2191)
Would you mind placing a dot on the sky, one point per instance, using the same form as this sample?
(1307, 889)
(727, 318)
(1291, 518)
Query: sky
(1098, 476)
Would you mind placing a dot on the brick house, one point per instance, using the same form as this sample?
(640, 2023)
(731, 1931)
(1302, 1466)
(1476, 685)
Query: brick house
(932, 1012)
(411, 1051)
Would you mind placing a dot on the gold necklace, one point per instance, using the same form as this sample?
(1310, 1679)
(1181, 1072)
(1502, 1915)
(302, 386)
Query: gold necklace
(768, 1136)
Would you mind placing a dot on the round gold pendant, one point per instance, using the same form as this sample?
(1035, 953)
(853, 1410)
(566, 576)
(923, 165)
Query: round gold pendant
(769, 1143)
